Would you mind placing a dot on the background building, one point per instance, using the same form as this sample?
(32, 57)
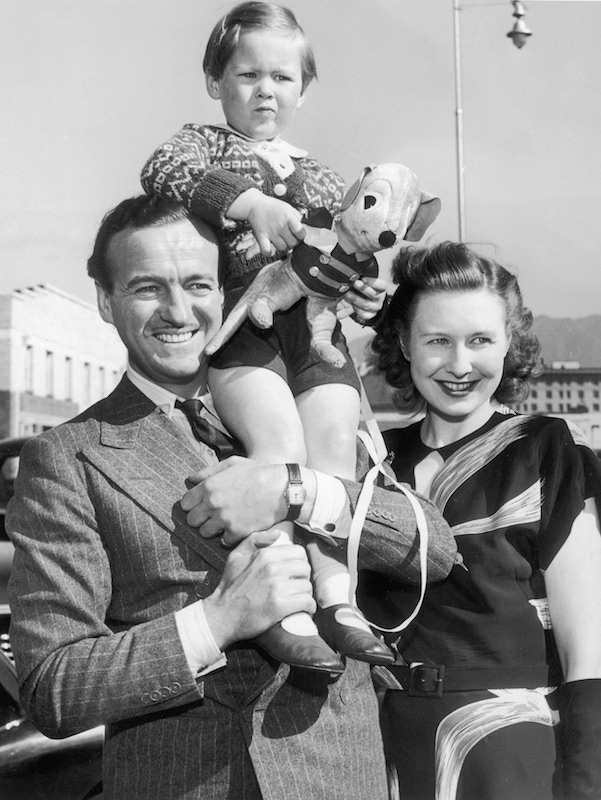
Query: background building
(56, 358)
(570, 391)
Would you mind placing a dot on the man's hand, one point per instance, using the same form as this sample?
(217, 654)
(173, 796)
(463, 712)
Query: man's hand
(367, 297)
(259, 587)
(236, 496)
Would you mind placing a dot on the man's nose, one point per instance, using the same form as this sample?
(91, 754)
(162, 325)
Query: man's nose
(176, 307)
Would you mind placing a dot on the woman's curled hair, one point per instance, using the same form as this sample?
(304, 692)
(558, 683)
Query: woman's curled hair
(451, 266)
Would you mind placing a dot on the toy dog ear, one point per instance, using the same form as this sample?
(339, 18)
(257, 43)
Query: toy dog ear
(428, 210)
(352, 193)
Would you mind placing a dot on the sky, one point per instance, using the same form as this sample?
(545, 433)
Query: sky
(90, 88)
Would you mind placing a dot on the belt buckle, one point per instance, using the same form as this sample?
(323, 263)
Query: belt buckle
(426, 680)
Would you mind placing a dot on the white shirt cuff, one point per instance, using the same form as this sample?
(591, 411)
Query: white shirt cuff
(331, 515)
(199, 646)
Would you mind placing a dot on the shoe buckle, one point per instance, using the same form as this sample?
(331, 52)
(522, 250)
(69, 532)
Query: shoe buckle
(426, 680)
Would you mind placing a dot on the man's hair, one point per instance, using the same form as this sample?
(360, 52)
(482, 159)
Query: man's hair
(253, 16)
(449, 267)
(144, 211)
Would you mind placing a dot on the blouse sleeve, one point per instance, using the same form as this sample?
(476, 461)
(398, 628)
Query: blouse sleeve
(570, 473)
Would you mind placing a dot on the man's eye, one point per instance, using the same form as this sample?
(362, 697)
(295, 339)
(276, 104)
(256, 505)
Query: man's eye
(147, 291)
(200, 288)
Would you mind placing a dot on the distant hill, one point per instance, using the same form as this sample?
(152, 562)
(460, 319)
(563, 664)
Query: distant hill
(570, 339)
(561, 340)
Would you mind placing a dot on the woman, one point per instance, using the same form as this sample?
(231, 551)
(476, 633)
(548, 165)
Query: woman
(520, 613)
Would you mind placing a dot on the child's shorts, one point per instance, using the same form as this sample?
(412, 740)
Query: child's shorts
(285, 349)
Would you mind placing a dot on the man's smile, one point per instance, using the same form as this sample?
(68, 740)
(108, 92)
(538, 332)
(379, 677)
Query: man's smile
(175, 338)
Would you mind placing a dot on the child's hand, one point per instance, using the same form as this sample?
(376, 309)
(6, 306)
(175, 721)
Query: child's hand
(276, 225)
(367, 298)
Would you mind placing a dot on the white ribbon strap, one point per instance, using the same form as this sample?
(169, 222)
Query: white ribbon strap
(356, 530)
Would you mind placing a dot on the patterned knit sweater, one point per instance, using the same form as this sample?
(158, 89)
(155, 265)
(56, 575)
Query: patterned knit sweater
(206, 167)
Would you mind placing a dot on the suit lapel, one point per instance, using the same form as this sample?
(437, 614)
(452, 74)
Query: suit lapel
(147, 457)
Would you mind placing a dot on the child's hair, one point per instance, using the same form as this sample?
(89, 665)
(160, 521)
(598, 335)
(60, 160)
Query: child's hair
(449, 267)
(255, 16)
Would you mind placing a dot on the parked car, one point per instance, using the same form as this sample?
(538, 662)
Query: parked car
(32, 766)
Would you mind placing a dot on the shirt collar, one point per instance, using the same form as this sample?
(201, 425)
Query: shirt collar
(277, 144)
(161, 397)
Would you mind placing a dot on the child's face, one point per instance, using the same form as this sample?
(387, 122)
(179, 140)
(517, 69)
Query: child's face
(261, 86)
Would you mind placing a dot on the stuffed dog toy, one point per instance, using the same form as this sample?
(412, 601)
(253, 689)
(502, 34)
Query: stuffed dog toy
(382, 207)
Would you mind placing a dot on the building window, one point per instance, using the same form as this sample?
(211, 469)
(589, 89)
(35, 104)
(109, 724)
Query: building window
(49, 373)
(87, 383)
(595, 406)
(28, 377)
(68, 378)
(534, 393)
(548, 395)
(549, 407)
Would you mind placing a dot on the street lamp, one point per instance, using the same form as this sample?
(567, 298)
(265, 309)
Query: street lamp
(519, 35)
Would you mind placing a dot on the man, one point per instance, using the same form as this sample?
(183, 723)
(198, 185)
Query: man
(124, 614)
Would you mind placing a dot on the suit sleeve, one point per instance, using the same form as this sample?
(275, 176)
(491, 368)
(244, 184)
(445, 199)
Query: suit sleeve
(390, 539)
(75, 670)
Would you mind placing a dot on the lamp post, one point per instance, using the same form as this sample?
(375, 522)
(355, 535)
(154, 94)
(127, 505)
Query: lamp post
(519, 35)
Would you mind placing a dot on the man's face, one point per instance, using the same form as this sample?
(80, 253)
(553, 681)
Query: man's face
(166, 302)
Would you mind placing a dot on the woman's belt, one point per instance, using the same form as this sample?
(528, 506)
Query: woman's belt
(431, 680)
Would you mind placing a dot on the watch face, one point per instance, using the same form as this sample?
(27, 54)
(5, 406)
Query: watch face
(296, 495)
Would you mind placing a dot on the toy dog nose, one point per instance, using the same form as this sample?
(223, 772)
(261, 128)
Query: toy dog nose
(387, 239)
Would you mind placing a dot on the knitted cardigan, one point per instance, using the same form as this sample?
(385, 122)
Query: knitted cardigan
(206, 167)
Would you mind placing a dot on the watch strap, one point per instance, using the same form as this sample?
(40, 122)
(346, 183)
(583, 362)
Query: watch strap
(294, 479)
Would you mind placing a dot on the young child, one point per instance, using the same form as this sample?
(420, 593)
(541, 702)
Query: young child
(281, 402)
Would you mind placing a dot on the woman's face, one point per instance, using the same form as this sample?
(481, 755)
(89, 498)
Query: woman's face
(456, 348)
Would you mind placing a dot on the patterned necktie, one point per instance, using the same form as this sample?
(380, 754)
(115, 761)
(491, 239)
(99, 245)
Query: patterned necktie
(218, 441)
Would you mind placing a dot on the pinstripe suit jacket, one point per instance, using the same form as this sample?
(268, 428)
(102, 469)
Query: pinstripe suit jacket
(104, 558)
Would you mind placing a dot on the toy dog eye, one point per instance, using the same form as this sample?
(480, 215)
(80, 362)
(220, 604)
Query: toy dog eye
(371, 200)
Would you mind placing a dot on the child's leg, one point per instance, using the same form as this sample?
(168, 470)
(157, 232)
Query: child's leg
(330, 415)
(257, 406)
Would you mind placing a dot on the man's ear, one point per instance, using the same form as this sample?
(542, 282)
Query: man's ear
(104, 304)
(212, 86)
(300, 100)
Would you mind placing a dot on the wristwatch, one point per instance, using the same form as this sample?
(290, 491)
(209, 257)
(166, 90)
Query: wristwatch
(295, 493)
